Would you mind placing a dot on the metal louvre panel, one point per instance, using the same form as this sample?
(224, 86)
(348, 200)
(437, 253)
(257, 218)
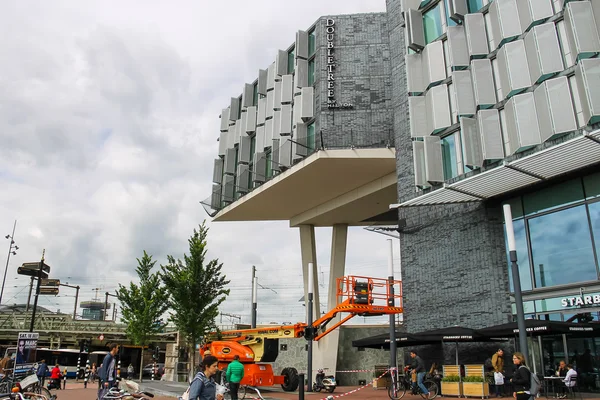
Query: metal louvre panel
(276, 127)
(581, 29)
(417, 111)
(230, 161)
(497, 181)
(505, 21)
(262, 81)
(533, 12)
(268, 132)
(224, 119)
(243, 178)
(406, 5)
(285, 153)
(457, 47)
(234, 109)
(521, 122)
(483, 83)
(490, 133)
(301, 136)
(477, 40)
(302, 44)
(260, 139)
(281, 62)
(513, 68)
(434, 63)
(277, 96)
(260, 163)
(457, 9)
(287, 81)
(587, 76)
(465, 102)
(419, 163)
(270, 103)
(415, 30)
(244, 155)
(275, 155)
(471, 142)
(554, 107)
(250, 120)
(596, 9)
(215, 197)
(242, 124)
(438, 109)
(307, 100)
(271, 77)
(248, 95)
(228, 189)
(543, 52)
(434, 170)
(414, 73)
(230, 137)
(218, 171)
(237, 132)
(262, 111)
(223, 143)
(301, 74)
(286, 120)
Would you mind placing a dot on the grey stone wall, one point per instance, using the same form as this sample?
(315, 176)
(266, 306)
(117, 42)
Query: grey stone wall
(454, 269)
(362, 78)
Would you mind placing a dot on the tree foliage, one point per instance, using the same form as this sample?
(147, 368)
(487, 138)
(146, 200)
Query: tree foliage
(196, 288)
(143, 305)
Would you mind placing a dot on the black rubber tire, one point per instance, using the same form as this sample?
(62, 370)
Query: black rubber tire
(316, 388)
(290, 379)
(46, 392)
(432, 387)
(400, 391)
(242, 392)
(330, 389)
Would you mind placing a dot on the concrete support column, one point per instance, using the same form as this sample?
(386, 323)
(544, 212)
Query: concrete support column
(308, 249)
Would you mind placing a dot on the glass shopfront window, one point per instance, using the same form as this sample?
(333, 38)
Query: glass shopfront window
(522, 257)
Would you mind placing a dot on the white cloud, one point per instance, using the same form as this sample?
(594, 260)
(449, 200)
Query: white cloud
(108, 124)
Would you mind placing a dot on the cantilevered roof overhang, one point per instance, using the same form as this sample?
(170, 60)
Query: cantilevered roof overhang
(571, 155)
(342, 186)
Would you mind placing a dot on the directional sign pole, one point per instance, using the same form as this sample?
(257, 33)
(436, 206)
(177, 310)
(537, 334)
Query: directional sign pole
(37, 290)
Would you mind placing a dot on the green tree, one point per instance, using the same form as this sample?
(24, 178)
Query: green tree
(143, 305)
(196, 288)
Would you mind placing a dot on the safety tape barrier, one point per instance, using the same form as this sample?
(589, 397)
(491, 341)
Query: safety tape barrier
(355, 390)
(349, 371)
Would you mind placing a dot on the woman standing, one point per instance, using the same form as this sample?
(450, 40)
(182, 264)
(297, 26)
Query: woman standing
(203, 386)
(521, 379)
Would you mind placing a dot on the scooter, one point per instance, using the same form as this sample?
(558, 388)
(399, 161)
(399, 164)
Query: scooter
(324, 382)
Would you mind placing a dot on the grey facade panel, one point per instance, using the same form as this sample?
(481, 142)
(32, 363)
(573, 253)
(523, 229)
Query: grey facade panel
(248, 95)
(218, 171)
(271, 77)
(471, 142)
(275, 166)
(285, 153)
(543, 52)
(215, 197)
(244, 155)
(260, 163)
(250, 126)
(262, 81)
(287, 81)
(521, 123)
(230, 137)
(505, 22)
(435, 65)
(554, 108)
(301, 74)
(307, 101)
(230, 161)
(270, 103)
(457, 9)
(582, 29)
(301, 136)
(277, 95)
(477, 41)
(406, 5)
(419, 163)
(533, 12)
(223, 143)
(276, 127)
(587, 76)
(224, 119)
(438, 109)
(237, 132)
(262, 111)
(302, 44)
(434, 170)
(457, 47)
(415, 29)
(417, 109)
(260, 139)
(234, 109)
(286, 120)
(228, 189)
(281, 63)
(414, 73)
(483, 83)
(243, 179)
(268, 132)
(463, 87)
(490, 132)
(513, 68)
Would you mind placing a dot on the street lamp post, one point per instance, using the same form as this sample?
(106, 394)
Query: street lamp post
(11, 250)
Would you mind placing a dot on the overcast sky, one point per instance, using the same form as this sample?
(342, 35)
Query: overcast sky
(108, 127)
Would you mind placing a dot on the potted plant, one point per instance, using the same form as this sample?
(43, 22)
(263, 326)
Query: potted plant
(475, 386)
(451, 385)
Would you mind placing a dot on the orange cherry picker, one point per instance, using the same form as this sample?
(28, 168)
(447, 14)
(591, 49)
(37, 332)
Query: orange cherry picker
(258, 347)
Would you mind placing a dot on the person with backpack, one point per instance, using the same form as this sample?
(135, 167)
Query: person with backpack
(203, 386)
(525, 383)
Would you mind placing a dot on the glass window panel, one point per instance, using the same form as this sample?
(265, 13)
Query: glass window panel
(291, 61)
(561, 248)
(554, 196)
(516, 207)
(311, 43)
(311, 72)
(591, 184)
(310, 137)
(594, 210)
(522, 256)
(449, 157)
(432, 23)
(449, 21)
(474, 5)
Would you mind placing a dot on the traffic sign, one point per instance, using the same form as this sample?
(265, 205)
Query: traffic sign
(33, 269)
(50, 282)
(49, 290)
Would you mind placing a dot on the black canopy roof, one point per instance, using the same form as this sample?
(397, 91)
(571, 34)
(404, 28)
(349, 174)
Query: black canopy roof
(538, 327)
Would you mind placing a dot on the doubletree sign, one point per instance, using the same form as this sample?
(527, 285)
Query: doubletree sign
(33, 269)
(331, 64)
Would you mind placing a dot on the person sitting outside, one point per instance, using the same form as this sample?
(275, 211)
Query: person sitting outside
(570, 380)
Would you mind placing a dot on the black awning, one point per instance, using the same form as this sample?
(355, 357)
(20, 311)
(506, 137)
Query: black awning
(538, 327)
(382, 341)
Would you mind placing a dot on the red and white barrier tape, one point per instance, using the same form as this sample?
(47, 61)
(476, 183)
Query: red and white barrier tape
(349, 371)
(354, 390)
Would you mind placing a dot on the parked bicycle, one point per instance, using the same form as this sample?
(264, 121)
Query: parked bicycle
(132, 392)
(401, 383)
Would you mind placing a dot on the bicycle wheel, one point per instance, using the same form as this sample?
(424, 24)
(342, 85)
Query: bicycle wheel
(432, 388)
(45, 392)
(396, 390)
(242, 392)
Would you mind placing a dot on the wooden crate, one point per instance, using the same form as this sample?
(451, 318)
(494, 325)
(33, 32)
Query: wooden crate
(475, 370)
(476, 389)
(452, 389)
(451, 370)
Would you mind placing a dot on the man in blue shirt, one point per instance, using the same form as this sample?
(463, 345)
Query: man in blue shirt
(108, 371)
(42, 371)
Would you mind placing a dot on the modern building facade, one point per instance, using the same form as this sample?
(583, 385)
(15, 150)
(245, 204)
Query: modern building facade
(448, 109)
